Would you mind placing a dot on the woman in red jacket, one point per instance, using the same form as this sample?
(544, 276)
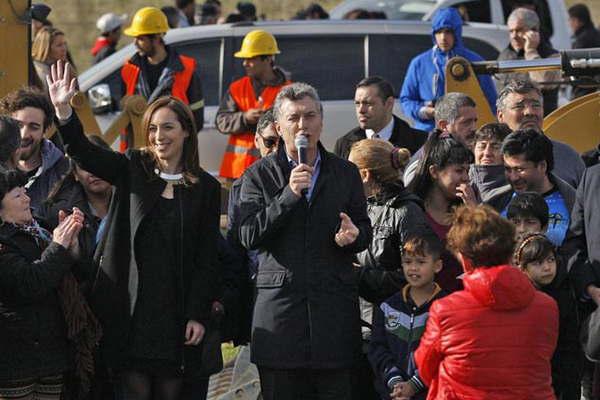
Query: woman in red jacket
(494, 339)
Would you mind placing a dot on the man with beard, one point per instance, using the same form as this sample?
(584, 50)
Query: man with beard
(374, 106)
(528, 160)
(456, 116)
(247, 99)
(157, 69)
(520, 105)
(40, 160)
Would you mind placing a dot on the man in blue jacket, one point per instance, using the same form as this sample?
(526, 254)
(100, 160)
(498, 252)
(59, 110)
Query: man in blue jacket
(425, 80)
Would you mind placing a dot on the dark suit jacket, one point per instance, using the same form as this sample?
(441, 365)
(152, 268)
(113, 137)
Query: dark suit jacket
(306, 313)
(402, 136)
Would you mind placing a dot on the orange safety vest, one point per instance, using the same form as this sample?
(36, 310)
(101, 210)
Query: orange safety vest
(240, 152)
(181, 82)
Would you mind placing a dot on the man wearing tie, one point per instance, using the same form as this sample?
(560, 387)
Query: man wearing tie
(374, 104)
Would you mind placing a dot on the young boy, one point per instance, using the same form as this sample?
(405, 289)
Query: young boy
(400, 321)
(529, 212)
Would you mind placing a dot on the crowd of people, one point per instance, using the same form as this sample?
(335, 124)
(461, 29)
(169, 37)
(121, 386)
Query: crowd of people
(433, 260)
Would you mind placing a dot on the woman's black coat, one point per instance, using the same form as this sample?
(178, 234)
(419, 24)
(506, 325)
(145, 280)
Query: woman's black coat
(396, 215)
(115, 288)
(33, 333)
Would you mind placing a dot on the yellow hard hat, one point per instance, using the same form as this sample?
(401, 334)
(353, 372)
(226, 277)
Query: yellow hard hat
(147, 21)
(258, 43)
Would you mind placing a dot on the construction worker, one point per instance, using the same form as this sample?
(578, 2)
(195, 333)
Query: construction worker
(157, 69)
(109, 25)
(247, 99)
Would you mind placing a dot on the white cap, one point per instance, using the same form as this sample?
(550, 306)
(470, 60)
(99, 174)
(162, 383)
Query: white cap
(109, 22)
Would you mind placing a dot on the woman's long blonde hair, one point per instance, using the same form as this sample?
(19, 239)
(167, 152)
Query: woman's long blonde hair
(40, 49)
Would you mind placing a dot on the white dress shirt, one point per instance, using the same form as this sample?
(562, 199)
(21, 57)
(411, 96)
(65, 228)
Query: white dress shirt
(384, 134)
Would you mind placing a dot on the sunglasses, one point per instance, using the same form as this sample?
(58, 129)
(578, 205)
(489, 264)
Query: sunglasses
(269, 142)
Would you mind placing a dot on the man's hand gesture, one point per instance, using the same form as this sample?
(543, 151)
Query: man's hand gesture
(532, 40)
(348, 231)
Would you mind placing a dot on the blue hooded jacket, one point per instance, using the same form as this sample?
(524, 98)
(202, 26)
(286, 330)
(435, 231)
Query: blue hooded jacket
(425, 80)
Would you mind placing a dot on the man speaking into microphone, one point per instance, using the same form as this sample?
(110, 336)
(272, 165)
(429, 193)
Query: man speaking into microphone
(307, 217)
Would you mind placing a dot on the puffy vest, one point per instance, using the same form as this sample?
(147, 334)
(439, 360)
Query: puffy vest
(240, 151)
(181, 82)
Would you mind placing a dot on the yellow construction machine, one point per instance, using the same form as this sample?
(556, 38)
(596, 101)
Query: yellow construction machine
(576, 123)
(15, 55)
(16, 71)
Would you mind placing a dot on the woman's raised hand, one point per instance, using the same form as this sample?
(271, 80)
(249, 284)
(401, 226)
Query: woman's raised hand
(68, 228)
(61, 87)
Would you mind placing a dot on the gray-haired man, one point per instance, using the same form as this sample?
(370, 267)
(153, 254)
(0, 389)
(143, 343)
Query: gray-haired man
(456, 115)
(527, 43)
(306, 221)
(520, 106)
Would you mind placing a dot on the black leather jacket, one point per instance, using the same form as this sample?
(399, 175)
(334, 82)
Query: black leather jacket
(396, 215)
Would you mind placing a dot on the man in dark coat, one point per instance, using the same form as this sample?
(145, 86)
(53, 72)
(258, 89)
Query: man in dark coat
(374, 105)
(585, 36)
(307, 221)
(583, 237)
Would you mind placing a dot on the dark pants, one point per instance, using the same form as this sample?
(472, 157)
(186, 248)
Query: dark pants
(195, 390)
(305, 384)
(363, 382)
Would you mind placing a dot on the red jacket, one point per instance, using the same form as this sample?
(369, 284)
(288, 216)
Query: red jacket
(492, 340)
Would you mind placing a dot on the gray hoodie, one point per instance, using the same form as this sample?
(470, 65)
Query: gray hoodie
(54, 166)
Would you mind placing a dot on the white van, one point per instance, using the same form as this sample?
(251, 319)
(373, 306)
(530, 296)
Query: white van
(553, 13)
(333, 56)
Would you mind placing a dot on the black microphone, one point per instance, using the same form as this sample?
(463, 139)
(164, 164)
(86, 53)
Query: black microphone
(301, 143)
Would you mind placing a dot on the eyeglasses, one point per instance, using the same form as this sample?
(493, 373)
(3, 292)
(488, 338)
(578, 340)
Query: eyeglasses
(269, 142)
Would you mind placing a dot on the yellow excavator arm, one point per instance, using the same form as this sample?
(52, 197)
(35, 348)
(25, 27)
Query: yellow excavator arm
(576, 123)
(15, 51)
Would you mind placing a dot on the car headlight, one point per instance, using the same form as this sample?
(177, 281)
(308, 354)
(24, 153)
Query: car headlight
(100, 98)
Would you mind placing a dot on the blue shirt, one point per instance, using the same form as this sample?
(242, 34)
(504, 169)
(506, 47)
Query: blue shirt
(315, 175)
(558, 217)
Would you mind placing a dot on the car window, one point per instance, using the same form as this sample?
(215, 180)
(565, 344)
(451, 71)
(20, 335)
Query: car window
(332, 64)
(206, 53)
(485, 50)
(474, 10)
(540, 7)
(117, 89)
(393, 9)
(390, 55)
